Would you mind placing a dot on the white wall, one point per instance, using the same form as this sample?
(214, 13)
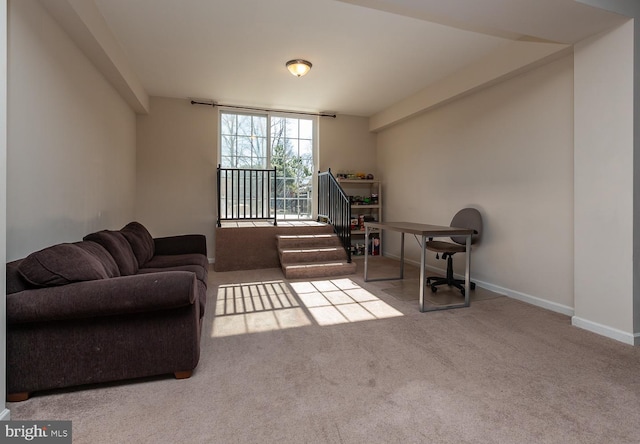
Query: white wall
(176, 169)
(604, 182)
(346, 144)
(508, 151)
(71, 139)
(177, 160)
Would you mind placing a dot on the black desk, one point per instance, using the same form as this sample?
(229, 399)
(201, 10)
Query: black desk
(426, 231)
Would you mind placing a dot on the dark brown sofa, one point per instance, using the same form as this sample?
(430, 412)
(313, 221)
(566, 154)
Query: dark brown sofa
(117, 305)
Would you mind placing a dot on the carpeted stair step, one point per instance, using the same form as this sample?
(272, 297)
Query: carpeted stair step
(312, 254)
(318, 269)
(291, 241)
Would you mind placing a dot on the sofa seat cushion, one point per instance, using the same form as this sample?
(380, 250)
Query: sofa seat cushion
(140, 240)
(118, 247)
(175, 260)
(60, 265)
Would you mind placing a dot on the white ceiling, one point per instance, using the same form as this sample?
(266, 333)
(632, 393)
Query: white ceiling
(366, 54)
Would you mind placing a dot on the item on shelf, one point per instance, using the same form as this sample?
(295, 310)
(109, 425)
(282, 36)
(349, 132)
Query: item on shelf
(354, 176)
(365, 200)
(374, 244)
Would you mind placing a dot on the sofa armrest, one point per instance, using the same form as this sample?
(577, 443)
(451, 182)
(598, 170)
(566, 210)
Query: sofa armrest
(104, 297)
(183, 244)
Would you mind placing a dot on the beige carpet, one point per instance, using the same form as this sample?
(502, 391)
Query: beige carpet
(408, 288)
(341, 361)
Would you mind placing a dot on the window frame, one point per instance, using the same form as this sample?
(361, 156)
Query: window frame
(269, 151)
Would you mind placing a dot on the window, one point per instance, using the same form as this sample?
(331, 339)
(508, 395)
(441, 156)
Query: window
(286, 143)
(243, 141)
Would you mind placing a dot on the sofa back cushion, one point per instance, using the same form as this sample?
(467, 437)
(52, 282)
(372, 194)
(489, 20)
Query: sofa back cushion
(118, 247)
(15, 282)
(140, 240)
(102, 255)
(60, 265)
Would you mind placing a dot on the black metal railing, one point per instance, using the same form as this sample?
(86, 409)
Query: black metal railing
(334, 208)
(246, 194)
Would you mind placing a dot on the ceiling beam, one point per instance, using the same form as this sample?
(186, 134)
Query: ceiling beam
(561, 21)
(84, 23)
(630, 8)
(508, 61)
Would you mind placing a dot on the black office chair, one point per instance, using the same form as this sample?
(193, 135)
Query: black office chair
(465, 218)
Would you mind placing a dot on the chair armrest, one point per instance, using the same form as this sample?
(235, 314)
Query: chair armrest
(183, 244)
(104, 297)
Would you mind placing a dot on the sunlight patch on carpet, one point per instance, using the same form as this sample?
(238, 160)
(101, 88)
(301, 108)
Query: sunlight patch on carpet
(258, 307)
(340, 301)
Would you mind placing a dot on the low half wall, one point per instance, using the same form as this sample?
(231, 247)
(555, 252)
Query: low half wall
(251, 248)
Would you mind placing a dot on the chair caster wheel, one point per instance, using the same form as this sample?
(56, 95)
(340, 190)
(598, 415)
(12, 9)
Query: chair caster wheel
(473, 285)
(434, 288)
(462, 291)
(428, 281)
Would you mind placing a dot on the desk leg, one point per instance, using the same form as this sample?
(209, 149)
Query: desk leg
(467, 273)
(366, 250)
(366, 260)
(402, 255)
(423, 260)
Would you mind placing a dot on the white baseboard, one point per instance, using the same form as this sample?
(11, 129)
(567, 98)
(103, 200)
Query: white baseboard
(594, 327)
(212, 260)
(606, 331)
(529, 299)
(5, 415)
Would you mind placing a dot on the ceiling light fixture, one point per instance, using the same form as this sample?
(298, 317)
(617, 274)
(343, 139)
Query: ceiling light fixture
(298, 67)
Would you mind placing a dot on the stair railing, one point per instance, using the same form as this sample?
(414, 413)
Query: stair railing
(334, 208)
(246, 194)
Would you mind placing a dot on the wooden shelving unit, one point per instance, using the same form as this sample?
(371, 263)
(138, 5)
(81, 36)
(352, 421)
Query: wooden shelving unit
(366, 201)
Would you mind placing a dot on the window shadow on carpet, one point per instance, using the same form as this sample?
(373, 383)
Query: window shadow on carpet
(276, 305)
